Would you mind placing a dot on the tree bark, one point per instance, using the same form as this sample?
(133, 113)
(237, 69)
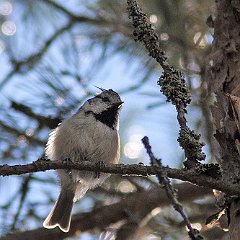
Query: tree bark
(223, 78)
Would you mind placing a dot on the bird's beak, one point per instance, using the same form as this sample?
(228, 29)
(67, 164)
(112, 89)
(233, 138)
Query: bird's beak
(119, 104)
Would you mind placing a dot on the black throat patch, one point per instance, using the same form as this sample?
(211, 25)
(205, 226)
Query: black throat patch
(107, 117)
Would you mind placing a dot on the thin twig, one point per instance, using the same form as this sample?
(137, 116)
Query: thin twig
(170, 191)
(23, 192)
(103, 216)
(59, 7)
(28, 63)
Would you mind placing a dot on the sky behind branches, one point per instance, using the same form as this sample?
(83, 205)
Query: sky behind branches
(117, 72)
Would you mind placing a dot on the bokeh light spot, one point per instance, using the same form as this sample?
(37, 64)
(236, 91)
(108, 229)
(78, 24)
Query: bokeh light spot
(125, 187)
(8, 28)
(21, 140)
(132, 150)
(59, 101)
(200, 40)
(29, 132)
(5, 8)
(164, 36)
(153, 19)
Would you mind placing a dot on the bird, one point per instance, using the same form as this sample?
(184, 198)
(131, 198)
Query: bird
(91, 134)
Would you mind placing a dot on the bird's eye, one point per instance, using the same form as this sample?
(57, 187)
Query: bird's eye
(105, 99)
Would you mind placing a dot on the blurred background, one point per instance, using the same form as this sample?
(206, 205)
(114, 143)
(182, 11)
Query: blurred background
(53, 54)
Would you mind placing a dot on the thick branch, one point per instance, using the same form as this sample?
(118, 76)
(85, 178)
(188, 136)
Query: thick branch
(123, 169)
(139, 204)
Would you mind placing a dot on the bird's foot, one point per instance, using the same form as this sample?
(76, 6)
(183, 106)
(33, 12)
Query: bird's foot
(99, 166)
(67, 161)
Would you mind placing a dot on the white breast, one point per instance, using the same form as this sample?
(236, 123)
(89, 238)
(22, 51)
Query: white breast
(82, 138)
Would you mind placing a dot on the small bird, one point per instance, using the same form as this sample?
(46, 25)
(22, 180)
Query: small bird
(91, 135)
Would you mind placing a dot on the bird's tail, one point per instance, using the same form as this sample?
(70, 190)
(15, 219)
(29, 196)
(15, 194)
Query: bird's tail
(60, 215)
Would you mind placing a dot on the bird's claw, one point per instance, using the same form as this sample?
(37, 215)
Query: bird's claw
(99, 166)
(67, 161)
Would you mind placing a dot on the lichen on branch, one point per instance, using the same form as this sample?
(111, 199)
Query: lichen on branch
(189, 141)
(173, 86)
(172, 82)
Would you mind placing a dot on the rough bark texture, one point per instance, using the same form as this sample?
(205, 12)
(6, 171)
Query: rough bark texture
(223, 76)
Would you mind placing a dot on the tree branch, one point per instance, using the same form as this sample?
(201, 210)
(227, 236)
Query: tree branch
(170, 191)
(123, 169)
(42, 120)
(139, 204)
(59, 7)
(21, 66)
(172, 83)
(15, 131)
